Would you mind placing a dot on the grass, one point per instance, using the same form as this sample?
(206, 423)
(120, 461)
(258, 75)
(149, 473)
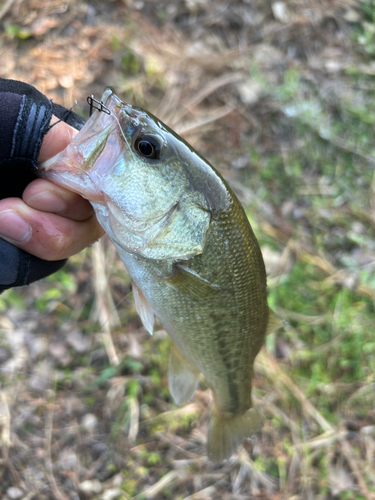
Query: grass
(308, 187)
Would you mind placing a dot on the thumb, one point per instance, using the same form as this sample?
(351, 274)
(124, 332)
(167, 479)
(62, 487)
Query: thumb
(56, 139)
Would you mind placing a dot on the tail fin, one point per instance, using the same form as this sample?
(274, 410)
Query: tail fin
(226, 434)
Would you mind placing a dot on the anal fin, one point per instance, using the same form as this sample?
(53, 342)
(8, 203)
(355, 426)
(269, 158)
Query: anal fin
(143, 308)
(274, 323)
(183, 377)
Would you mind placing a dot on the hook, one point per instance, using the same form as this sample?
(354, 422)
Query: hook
(91, 100)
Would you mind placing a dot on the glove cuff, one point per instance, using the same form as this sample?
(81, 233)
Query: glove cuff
(31, 127)
(19, 268)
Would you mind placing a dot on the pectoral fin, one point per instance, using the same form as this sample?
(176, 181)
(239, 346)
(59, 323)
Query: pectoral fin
(183, 377)
(190, 282)
(143, 308)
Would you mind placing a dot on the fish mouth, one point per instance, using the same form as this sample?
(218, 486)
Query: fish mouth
(77, 181)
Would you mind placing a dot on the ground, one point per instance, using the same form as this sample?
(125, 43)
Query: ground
(279, 96)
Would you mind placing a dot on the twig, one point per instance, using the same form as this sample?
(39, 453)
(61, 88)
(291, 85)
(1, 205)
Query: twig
(48, 459)
(263, 478)
(134, 419)
(188, 409)
(216, 115)
(339, 276)
(101, 294)
(5, 440)
(202, 494)
(159, 486)
(348, 453)
(272, 408)
(271, 366)
(178, 448)
(323, 440)
(6, 7)
(209, 89)
(30, 495)
(330, 434)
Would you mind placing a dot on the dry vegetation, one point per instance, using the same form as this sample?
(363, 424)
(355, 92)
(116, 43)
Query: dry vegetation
(279, 96)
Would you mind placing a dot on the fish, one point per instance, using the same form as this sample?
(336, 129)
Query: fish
(187, 244)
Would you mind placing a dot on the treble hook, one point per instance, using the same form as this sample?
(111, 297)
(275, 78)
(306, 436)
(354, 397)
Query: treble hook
(91, 100)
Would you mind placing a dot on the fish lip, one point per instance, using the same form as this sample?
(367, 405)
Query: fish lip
(89, 195)
(126, 110)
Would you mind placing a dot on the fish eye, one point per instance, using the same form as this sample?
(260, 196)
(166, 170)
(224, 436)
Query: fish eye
(148, 146)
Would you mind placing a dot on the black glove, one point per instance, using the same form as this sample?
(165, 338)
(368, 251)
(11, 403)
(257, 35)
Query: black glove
(25, 115)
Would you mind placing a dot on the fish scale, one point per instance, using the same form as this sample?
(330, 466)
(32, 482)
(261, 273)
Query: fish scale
(189, 248)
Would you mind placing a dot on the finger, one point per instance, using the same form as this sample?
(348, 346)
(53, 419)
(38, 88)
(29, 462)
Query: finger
(45, 196)
(57, 139)
(47, 236)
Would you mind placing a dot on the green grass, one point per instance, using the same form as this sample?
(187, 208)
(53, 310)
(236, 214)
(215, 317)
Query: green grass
(312, 184)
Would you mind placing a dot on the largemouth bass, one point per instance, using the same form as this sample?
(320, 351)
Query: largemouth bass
(188, 246)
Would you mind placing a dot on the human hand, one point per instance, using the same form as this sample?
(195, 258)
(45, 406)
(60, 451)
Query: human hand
(39, 222)
(49, 221)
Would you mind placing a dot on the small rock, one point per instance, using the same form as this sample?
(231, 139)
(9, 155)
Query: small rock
(68, 460)
(368, 429)
(117, 480)
(57, 350)
(112, 493)
(91, 486)
(135, 348)
(280, 12)
(240, 162)
(14, 493)
(66, 81)
(339, 480)
(37, 346)
(41, 377)
(78, 341)
(89, 422)
(74, 405)
(287, 208)
(15, 342)
(4, 354)
(334, 65)
(195, 5)
(60, 353)
(352, 16)
(6, 323)
(249, 91)
(268, 55)
(197, 49)
(271, 258)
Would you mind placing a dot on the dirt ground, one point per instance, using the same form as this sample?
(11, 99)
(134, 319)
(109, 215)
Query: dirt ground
(278, 96)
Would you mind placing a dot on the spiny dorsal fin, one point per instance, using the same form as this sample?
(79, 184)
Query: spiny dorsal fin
(183, 377)
(143, 308)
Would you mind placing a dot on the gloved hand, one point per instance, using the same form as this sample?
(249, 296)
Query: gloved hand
(56, 229)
